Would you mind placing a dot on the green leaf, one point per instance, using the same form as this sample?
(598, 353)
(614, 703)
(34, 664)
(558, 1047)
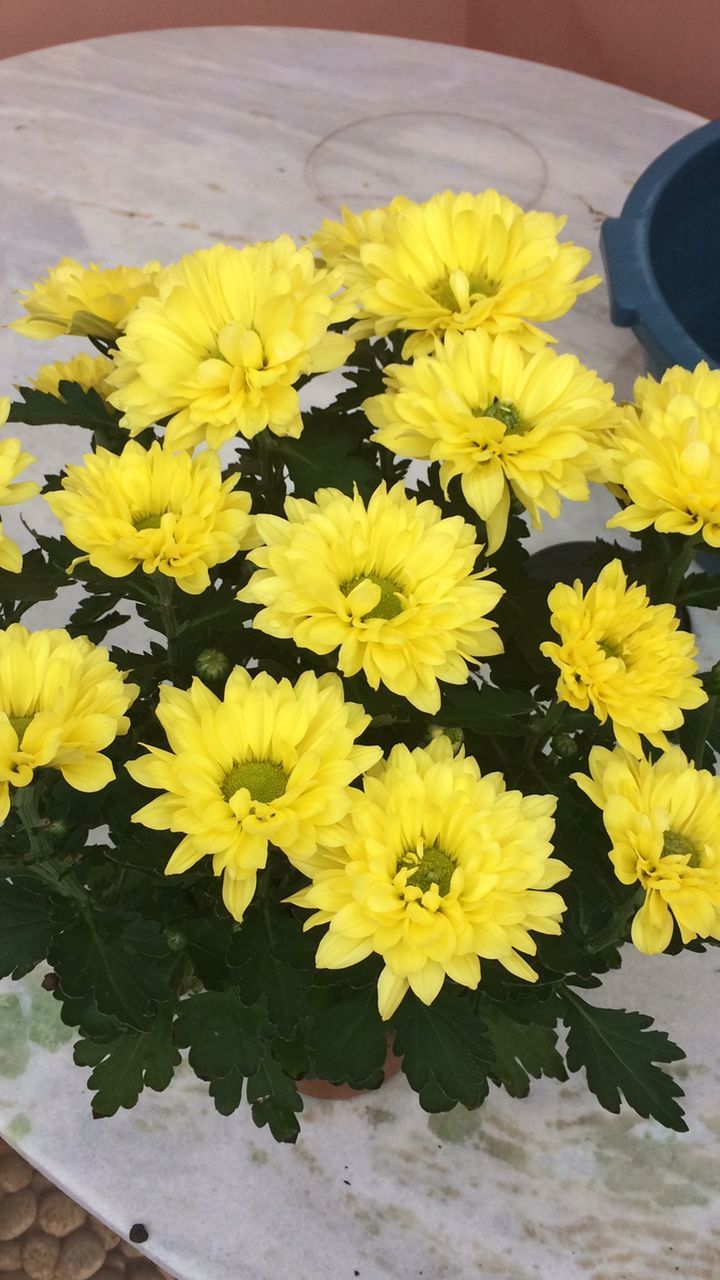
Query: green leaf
(122, 959)
(619, 1052)
(223, 1037)
(274, 1099)
(76, 408)
(347, 1039)
(700, 590)
(270, 930)
(36, 581)
(329, 454)
(26, 924)
(522, 1046)
(206, 943)
(485, 710)
(127, 1064)
(446, 1054)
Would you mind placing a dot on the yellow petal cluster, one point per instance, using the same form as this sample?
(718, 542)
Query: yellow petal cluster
(270, 762)
(441, 867)
(504, 421)
(166, 512)
(663, 820)
(90, 301)
(456, 262)
(89, 372)
(12, 461)
(390, 585)
(221, 348)
(62, 702)
(623, 657)
(667, 455)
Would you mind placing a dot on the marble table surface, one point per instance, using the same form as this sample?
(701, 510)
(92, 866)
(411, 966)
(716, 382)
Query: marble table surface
(142, 146)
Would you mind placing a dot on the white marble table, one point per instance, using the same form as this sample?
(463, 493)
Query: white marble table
(147, 146)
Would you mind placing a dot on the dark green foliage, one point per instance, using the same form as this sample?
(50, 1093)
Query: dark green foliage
(618, 1053)
(446, 1051)
(26, 923)
(126, 1064)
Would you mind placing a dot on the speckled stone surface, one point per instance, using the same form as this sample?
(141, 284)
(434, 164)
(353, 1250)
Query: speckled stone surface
(141, 146)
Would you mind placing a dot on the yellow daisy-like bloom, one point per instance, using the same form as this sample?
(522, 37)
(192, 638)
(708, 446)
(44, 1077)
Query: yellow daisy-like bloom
(12, 462)
(339, 243)
(89, 372)
(168, 512)
(62, 702)
(664, 823)
(391, 585)
(220, 349)
(441, 867)
(502, 420)
(270, 762)
(623, 657)
(459, 262)
(90, 301)
(667, 455)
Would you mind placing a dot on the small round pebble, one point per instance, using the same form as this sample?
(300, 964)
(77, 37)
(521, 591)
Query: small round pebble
(39, 1255)
(17, 1214)
(9, 1256)
(58, 1214)
(107, 1238)
(116, 1262)
(81, 1256)
(41, 1183)
(129, 1250)
(15, 1173)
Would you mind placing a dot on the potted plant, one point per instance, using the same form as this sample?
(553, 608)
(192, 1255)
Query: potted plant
(358, 781)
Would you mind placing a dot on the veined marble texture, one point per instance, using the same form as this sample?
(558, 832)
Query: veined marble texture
(142, 146)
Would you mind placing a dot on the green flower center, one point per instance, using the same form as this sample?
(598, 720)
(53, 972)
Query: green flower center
(389, 605)
(505, 412)
(429, 868)
(609, 648)
(148, 522)
(264, 779)
(442, 291)
(20, 724)
(675, 844)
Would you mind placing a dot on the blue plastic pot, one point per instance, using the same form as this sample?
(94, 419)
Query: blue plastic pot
(662, 255)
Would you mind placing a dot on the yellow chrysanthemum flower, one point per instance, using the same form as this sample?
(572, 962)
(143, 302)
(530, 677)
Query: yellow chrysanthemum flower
(89, 301)
(500, 419)
(667, 455)
(220, 349)
(623, 657)
(166, 512)
(664, 823)
(268, 763)
(89, 372)
(339, 243)
(441, 867)
(391, 585)
(458, 262)
(62, 702)
(12, 462)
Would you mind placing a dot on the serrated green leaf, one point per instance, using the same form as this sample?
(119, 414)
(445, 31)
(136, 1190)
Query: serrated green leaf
(221, 1033)
(37, 580)
(26, 924)
(122, 959)
(329, 454)
(521, 1046)
(445, 1050)
(618, 1052)
(270, 930)
(347, 1040)
(485, 710)
(206, 942)
(700, 590)
(274, 1099)
(127, 1064)
(74, 407)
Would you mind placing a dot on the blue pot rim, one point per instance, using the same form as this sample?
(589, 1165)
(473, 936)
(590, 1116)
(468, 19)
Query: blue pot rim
(636, 300)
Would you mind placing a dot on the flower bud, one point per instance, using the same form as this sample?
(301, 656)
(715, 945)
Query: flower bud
(211, 664)
(564, 746)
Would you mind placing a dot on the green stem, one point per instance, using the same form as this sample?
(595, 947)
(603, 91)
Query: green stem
(272, 479)
(678, 569)
(166, 609)
(706, 719)
(32, 822)
(542, 731)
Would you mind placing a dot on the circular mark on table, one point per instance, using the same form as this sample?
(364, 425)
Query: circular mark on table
(367, 162)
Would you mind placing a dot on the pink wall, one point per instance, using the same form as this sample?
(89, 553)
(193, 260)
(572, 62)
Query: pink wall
(666, 48)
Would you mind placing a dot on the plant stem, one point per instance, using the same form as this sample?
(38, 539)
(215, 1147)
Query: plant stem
(272, 480)
(29, 814)
(166, 609)
(678, 569)
(706, 719)
(542, 731)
